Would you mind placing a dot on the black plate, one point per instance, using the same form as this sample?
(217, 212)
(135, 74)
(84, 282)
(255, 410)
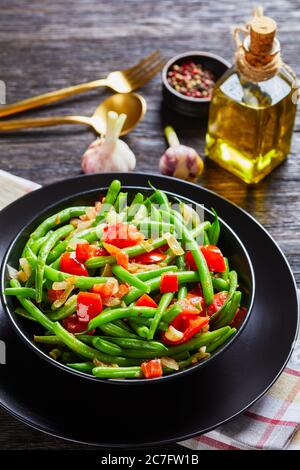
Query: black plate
(72, 408)
(228, 242)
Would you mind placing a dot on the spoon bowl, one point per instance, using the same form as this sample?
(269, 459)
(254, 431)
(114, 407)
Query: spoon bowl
(131, 104)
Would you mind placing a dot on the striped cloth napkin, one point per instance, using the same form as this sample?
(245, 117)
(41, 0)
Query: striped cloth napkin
(272, 423)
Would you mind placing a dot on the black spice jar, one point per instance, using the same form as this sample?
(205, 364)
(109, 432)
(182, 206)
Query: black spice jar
(189, 105)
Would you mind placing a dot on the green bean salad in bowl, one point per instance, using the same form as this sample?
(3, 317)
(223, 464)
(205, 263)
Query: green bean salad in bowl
(134, 285)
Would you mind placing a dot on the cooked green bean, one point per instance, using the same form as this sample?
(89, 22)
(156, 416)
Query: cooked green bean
(139, 345)
(55, 353)
(87, 351)
(110, 199)
(83, 282)
(220, 284)
(228, 313)
(125, 276)
(200, 262)
(162, 306)
(221, 340)
(86, 367)
(57, 219)
(106, 346)
(182, 293)
(233, 283)
(145, 276)
(43, 254)
(195, 343)
(65, 311)
(214, 231)
(32, 309)
(117, 372)
(140, 330)
(21, 291)
(171, 313)
(113, 314)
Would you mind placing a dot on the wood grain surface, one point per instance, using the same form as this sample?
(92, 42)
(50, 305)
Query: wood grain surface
(54, 43)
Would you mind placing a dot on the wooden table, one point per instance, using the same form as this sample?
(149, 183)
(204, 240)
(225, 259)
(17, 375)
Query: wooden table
(51, 44)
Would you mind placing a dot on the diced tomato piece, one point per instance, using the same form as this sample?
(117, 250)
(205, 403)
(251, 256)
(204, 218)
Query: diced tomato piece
(54, 295)
(189, 324)
(89, 305)
(189, 259)
(169, 282)
(154, 256)
(73, 325)
(121, 257)
(146, 301)
(152, 369)
(217, 303)
(214, 258)
(239, 317)
(70, 264)
(188, 307)
(122, 235)
(85, 251)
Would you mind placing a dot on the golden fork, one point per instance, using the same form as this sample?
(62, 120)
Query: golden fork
(121, 81)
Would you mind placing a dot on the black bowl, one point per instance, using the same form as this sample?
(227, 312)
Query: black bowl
(187, 105)
(229, 242)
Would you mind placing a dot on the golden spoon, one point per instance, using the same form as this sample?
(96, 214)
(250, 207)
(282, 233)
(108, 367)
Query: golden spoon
(131, 104)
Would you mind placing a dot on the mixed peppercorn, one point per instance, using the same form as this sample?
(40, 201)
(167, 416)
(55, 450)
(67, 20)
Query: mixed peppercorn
(191, 79)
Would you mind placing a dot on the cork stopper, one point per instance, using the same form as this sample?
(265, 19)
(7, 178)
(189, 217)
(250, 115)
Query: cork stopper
(262, 35)
(261, 41)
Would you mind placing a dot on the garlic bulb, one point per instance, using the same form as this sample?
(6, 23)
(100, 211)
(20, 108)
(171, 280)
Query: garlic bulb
(109, 153)
(179, 160)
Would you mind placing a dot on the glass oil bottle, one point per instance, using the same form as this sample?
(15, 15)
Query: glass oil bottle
(252, 111)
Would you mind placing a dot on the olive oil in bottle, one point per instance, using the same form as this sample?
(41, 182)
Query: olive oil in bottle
(252, 112)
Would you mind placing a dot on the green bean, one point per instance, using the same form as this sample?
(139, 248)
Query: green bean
(229, 312)
(32, 309)
(154, 214)
(196, 343)
(57, 219)
(183, 277)
(125, 276)
(180, 262)
(122, 324)
(90, 235)
(69, 356)
(131, 251)
(171, 313)
(140, 330)
(43, 254)
(114, 330)
(153, 229)
(169, 258)
(139, 344)
(86, 351)
(225, 274)
(162, 306)
(182, 292)
(163, 326)
(162, 199)
(110, 199)
(218, 342)
(113, 314)
(86, 367)
(55, 353)
(200, 229)
(117, 372)
(206, 240)
(220, 284)
(134, 206)
(106, 346)
(47, 339)
(233, 282)
(23, 313)
(83, 282)
(65, 311)
(214, 231)
(181, 356)
(204, 274)
(21, 291)
(190, 361)
(36, 245)
(145, 276)
(121, 202)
